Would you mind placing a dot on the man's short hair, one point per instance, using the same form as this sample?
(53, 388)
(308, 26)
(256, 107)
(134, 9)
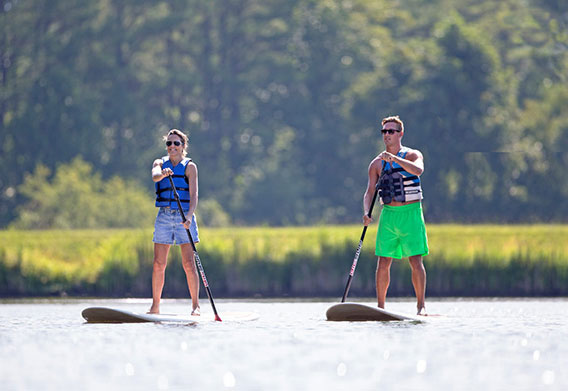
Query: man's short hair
(395, 119)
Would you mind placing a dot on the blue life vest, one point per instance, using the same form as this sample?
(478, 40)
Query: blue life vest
(397, 184)
(164, 192)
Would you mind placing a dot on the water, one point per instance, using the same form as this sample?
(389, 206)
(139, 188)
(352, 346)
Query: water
(477, 344)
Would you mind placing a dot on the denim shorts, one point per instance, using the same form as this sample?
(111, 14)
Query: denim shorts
(168, 228)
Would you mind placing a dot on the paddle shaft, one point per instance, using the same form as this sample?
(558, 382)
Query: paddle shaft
(197, 260)
(358, 252)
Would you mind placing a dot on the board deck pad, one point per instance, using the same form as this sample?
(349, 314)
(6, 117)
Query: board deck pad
(355, 312)
(115, 315)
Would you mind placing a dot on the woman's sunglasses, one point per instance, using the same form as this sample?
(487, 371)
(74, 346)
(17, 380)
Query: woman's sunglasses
(389, 131)
(176, 143)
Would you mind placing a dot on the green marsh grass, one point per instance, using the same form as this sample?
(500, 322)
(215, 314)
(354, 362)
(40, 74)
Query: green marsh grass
(468, 260)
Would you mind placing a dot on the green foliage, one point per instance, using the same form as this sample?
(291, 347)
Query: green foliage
(211, 214)
(78, 198)
(478, 260)
(282, 100)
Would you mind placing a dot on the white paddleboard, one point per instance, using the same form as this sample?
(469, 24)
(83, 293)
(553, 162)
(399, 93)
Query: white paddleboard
(354, 312)
(115, 315)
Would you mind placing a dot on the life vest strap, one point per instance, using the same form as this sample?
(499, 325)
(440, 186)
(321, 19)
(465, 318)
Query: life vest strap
(169, 188)
(161, 199)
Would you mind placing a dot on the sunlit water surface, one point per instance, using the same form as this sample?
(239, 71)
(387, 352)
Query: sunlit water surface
(476, 345)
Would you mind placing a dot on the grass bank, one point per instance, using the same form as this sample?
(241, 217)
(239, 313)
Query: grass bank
(473, 260)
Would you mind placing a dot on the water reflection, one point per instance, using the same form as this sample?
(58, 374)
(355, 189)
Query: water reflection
(491, 344)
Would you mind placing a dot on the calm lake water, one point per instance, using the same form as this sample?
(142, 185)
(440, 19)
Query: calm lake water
(478, 344)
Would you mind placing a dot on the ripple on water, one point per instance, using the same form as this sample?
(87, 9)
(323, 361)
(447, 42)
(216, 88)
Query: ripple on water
(492, 344)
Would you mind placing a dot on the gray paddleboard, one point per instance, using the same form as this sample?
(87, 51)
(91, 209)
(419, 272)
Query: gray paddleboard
(114, 315)
(354, 312)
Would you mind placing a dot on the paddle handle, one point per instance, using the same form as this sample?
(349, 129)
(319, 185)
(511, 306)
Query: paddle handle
(197, 260)
(358, 252)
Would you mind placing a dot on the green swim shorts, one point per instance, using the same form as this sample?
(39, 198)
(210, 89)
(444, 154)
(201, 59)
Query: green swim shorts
(402, 232)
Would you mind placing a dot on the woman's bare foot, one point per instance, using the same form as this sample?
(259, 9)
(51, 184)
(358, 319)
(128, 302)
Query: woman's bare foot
(196, 311)
(155, 309)
(422, 311)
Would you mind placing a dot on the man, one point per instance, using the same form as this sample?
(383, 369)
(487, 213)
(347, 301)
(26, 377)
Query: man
(169, 228)
(402, 232)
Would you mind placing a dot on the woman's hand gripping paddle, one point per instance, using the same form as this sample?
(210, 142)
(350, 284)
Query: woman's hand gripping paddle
(197, 260)
(358, 252)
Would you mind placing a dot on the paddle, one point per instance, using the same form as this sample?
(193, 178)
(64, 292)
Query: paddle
(197, 260)
(358, 252)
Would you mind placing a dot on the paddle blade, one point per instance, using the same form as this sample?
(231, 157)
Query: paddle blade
(217, 318)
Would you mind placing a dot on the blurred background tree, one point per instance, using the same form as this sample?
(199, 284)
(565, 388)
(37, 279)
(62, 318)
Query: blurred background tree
(282, 101)
(76, 197)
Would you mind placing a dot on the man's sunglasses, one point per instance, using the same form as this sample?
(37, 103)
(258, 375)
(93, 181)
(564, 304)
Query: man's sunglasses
(389, 131)
(176, 143)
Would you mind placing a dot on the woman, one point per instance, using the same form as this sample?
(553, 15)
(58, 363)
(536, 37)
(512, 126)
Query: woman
(169, 228)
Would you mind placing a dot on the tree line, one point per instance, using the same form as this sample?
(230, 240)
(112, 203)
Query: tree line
(282, 101)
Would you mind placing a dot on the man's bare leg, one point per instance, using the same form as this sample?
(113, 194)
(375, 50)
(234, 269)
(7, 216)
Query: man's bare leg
(191, 276)
(382, 279)
(158, 275)
(419, 282)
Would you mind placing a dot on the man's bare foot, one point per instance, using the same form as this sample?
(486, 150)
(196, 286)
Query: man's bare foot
(196, 311)
(154, 310)
(422, 312)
